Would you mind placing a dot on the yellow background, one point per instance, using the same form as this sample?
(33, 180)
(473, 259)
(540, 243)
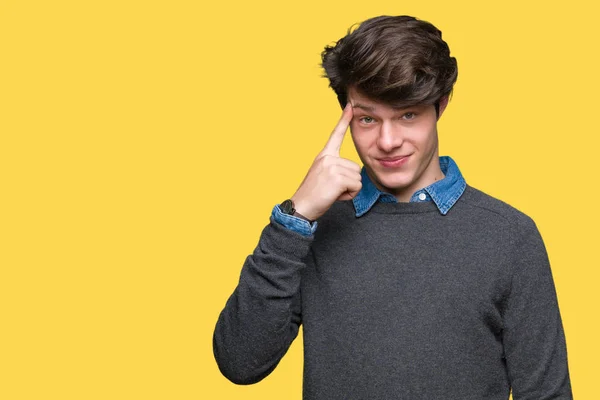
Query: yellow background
(144, 144)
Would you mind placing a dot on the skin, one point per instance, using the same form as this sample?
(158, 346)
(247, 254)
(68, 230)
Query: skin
(379, 131)
(330, 176)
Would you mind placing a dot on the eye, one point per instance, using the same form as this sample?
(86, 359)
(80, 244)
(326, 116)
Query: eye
(366, 120)
(409, 115)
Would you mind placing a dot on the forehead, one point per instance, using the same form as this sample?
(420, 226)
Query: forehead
(362, 102)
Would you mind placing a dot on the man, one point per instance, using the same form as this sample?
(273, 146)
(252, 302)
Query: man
(409, 283)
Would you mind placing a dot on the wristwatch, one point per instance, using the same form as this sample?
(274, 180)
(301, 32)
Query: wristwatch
(287, 207)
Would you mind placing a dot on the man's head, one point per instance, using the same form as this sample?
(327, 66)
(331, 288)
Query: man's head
(398, 75)
(401, 61)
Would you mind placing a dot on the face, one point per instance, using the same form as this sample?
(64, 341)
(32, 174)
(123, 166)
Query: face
(398, 147)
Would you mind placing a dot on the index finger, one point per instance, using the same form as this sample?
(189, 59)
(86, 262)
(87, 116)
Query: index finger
(334, 143)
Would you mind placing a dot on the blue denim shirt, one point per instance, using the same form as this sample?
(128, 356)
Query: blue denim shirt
(444, 193)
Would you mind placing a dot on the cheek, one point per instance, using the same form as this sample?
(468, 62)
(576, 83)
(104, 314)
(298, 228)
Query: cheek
(362, 137)
(361, 141)
(429, 139)
(422, 136)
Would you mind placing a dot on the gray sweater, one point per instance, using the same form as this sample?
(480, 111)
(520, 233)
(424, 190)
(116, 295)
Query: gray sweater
(402, 303)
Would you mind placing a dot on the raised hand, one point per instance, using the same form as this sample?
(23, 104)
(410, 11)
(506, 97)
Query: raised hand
(330, 177)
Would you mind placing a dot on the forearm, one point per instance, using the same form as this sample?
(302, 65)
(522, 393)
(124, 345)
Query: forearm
(262, 316)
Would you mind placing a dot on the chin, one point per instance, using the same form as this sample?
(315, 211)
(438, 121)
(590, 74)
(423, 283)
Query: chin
(394, 181)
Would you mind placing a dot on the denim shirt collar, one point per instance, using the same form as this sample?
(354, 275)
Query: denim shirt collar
(444, 193)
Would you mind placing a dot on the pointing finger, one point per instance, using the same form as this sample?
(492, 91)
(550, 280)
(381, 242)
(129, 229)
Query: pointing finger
(334, 144)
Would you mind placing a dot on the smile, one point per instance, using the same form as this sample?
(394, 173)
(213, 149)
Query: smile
(391, 162)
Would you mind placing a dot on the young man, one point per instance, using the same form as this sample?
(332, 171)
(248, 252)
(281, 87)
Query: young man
(409, 283)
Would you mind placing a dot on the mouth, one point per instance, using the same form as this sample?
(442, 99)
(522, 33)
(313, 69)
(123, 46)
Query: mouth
(391, 162)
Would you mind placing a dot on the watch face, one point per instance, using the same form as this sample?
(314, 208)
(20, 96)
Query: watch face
(287, 207)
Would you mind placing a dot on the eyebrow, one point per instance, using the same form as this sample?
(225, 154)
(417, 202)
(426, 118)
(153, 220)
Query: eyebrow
(366, 108)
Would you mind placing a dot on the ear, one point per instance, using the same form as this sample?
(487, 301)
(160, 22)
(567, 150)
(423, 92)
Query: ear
(443, 104)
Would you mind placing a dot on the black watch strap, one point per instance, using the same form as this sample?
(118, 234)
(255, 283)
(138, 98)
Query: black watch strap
(287, 207)
(297, 214)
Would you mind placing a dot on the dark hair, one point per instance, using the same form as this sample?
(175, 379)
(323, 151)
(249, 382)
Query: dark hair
(398, 60)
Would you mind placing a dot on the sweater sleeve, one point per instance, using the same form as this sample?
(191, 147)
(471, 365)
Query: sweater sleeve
(533, 336)
(263, 315)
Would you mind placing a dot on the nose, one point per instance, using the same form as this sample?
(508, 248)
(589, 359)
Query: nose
(390, 137)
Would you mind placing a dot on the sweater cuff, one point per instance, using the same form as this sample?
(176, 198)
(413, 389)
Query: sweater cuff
(285, 242)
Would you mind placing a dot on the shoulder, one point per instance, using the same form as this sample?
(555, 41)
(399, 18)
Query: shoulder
(489, 207)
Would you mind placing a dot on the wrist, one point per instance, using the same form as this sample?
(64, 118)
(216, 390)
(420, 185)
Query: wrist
(297, 214)
(302, 210)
